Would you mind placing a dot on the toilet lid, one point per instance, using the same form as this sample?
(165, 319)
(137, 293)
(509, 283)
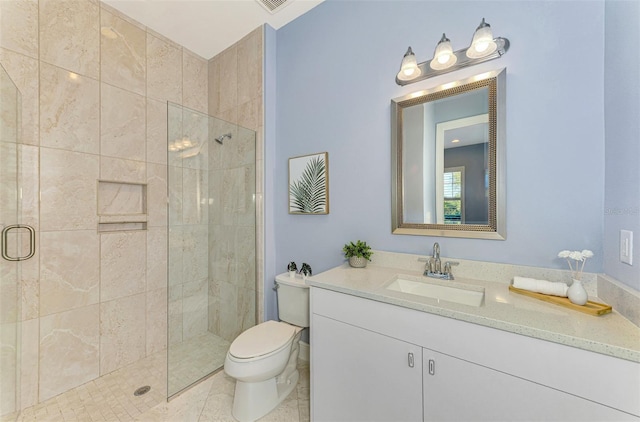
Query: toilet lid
(262, 339)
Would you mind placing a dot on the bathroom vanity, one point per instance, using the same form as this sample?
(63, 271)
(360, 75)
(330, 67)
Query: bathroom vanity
(386, 355)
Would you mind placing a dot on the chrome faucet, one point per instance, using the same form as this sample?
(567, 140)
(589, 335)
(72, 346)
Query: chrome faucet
(435, 265)
(433, 268)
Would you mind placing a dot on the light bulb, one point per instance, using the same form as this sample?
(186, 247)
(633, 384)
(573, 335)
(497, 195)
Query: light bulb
(482, 44)
(409, 68)
(443, 58)
(408, 71)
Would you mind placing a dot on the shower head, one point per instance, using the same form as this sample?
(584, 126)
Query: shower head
(220, 139)
(195, 150)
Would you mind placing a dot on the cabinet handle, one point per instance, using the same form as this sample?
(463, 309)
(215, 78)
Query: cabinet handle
(432, 367)
(410, 360)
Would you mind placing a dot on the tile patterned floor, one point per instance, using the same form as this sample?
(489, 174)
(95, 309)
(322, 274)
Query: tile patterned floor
(194, 358)
(110, 398)
(212, 401)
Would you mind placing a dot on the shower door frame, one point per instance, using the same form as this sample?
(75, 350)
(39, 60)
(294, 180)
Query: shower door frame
(10, 265)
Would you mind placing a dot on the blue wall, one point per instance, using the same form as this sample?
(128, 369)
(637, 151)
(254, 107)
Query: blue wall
(269, 154)
(622, 135)
(335, 69)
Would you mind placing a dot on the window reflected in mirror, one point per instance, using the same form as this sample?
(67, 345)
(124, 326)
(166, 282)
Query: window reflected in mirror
(454, 204)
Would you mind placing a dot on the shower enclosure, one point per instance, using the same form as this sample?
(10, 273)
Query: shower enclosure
(212, 242)
(89, 299)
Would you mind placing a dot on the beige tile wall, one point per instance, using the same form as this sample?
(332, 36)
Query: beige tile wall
(93, 107)
(235, 95)
(232, 240)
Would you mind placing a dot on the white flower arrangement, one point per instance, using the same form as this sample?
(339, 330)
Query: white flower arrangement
(578, 256)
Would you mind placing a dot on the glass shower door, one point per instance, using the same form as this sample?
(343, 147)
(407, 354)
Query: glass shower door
(212, 253)
(10, 315)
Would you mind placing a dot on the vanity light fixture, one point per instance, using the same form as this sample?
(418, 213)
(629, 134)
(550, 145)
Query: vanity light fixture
(409, 68)
(482, 49)
(443, 58)
(109, 32)
(482, 44)
(181, 144)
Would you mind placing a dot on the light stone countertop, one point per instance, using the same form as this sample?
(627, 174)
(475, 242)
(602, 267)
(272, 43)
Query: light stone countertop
(610, 334)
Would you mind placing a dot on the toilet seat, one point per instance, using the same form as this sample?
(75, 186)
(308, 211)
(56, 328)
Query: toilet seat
(261, 340)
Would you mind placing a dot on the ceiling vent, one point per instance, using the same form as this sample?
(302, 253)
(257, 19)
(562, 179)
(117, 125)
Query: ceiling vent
(273, 6)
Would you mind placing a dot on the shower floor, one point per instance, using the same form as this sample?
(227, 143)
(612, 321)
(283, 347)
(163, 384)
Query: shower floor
(110, 398)
(194, 359)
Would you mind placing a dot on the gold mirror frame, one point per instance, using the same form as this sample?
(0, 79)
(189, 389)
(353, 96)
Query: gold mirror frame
(495, 81)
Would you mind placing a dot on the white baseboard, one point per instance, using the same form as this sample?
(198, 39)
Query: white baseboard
(305, 351)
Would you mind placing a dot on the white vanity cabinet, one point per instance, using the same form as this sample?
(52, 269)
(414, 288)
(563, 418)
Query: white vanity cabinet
(457, 390)
(360, 375)
(360, 370)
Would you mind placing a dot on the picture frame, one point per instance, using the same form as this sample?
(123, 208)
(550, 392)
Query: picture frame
(309, 184)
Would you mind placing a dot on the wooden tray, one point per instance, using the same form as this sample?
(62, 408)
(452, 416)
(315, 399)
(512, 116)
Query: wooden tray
(591, 308)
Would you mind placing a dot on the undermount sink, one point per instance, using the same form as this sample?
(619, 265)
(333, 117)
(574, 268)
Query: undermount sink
(449, 291)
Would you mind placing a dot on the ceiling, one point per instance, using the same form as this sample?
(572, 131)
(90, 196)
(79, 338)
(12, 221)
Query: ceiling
(467, 135)
(207, 27)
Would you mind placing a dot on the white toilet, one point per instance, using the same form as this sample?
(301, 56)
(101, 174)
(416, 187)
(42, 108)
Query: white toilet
(263, 358)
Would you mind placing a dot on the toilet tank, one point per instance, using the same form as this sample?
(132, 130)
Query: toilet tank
(293, 300)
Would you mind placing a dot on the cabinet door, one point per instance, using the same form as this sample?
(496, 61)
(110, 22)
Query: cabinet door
(458, 390)
(359, 375)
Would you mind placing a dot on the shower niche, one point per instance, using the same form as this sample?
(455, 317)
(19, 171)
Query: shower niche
(121, 206)
(211, 241)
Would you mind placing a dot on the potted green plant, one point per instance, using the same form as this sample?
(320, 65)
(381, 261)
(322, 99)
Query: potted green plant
(305, 270)
(292, 268)
(358, 253)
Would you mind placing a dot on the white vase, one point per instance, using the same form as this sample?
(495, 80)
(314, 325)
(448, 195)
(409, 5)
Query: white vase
(577, 293)
(292, 274)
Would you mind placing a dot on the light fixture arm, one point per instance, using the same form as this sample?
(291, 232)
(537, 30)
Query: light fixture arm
(462, 62)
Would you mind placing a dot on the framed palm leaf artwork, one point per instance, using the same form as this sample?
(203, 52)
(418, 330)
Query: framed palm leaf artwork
(309, 184)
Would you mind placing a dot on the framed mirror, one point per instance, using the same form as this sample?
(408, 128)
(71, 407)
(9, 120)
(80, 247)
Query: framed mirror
(448, 159)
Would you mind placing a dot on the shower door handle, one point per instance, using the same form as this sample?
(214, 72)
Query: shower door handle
(5, 243)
